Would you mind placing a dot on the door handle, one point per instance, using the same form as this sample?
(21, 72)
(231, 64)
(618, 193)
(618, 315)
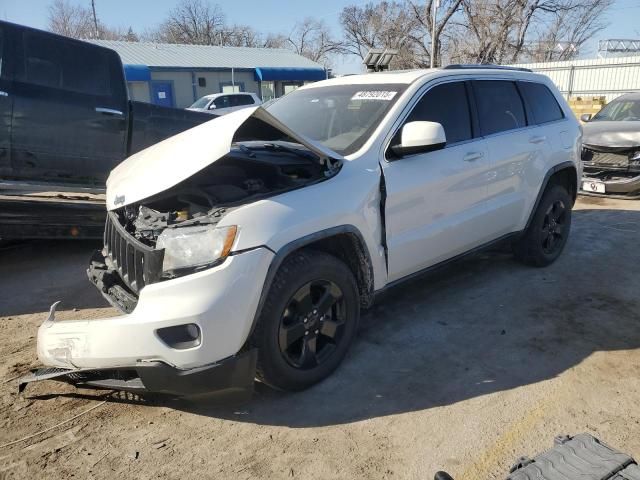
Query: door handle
(109, 111)
(472, 156)
(3, 94)
(538, 139)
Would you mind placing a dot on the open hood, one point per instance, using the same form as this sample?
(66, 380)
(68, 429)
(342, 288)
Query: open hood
(177, 158)
(624, 134)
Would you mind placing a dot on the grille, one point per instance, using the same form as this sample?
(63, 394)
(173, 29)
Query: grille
(607, 159)
(136, 263)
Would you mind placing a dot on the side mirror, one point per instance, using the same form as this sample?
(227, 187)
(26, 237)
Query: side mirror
(420, 137)
(585, 117)
(212, 106)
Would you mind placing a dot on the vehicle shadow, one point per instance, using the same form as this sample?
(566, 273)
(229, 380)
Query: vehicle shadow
(35, 274)
(481, 325)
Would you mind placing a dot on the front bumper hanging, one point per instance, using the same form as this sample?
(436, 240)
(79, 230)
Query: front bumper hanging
(233, 374)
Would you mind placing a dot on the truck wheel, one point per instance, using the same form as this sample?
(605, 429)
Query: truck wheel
(546, 236)
(308, 321)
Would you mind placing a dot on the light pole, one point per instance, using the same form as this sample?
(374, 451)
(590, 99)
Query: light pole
(95, 18)
(434, 5)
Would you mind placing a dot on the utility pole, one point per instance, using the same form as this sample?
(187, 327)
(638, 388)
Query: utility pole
(434, 4)
(95, 18)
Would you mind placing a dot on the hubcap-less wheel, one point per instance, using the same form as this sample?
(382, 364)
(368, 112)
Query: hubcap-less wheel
(553, 227)
(312, 324)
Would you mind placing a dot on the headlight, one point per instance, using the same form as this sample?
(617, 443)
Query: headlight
(191, 247)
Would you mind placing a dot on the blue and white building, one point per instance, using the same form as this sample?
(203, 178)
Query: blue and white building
(177, 75)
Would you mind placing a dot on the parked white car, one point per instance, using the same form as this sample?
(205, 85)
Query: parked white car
(223, 103)
(247, 246)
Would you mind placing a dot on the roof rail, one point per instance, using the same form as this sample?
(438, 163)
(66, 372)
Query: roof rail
(491, 66)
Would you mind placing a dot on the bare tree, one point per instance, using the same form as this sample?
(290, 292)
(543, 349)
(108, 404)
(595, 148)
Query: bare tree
(79, 22)
(312, 38)
(423, 14)
(381, 25)
(70, 20)
(570, 29)
(404, 26)
(193, 22)
(509, 31)
(200, 22)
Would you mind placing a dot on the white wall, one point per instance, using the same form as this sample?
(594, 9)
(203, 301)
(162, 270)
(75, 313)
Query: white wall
(609, 77)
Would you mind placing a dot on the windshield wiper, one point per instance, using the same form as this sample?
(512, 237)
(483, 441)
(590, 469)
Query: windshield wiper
(278, 147)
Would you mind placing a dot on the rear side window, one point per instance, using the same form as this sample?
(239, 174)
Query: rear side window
(499, 106)
(540, 101)
(243, 100)
(65, 65)
(446, 104)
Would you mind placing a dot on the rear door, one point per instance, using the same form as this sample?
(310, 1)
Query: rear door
(436, 201)
(6, 99)
(517, 150)
(70, 110)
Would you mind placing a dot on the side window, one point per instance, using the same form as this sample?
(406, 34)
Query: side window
(446, 104)
(222, 102)
(65, 65)
(86, 70)
(499, 106)
(245, 100)
(42, 61)
(544, 106)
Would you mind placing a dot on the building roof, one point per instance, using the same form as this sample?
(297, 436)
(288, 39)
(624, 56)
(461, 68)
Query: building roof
(205, 56)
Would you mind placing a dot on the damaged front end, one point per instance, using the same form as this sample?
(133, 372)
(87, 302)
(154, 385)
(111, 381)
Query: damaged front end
(168, 261)
(611, 170)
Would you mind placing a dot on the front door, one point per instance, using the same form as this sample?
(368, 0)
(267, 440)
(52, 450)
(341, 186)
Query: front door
(162, 93)
(436, 201)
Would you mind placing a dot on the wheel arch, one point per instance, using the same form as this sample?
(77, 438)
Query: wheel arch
(346, 243)
(564, 174)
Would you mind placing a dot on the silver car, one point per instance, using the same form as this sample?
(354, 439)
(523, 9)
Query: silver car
(611, 148)
(223, 103)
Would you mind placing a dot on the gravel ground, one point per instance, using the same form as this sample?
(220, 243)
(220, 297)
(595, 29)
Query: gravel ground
(464, 370)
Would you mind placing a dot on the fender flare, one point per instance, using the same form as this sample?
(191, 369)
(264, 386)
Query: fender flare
(553, 170)
(297, 244)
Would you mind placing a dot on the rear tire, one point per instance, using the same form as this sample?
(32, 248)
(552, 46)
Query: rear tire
(545, 238)
(308, 321)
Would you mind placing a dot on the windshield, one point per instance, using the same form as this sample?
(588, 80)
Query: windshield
(341, 117)
(620, 110)
(202, 103)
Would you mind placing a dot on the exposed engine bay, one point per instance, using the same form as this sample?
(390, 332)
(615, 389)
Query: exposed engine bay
(135, 253)
(250, 172)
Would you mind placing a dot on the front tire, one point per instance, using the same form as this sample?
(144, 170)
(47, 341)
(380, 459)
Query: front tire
(308, 321)
(545, 238)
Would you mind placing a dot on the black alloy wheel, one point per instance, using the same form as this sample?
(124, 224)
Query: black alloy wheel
(553, 227)
(312, 324)
(308, 320)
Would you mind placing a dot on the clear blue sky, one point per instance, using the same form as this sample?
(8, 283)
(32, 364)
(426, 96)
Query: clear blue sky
(271, 16)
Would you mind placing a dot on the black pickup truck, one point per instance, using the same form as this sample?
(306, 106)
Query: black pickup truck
(65, 121)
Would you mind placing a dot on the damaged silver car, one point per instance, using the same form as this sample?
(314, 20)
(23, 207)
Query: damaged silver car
(611, 149)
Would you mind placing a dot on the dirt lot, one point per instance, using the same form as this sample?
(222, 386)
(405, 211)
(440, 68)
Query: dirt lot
(463, 371)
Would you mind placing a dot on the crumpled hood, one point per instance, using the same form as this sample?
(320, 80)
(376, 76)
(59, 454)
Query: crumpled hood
(177, 158)
(611, 134)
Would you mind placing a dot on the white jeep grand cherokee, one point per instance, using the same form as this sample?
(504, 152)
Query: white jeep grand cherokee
(247, 246)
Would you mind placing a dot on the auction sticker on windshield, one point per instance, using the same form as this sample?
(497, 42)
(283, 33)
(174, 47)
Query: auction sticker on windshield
(374, 95)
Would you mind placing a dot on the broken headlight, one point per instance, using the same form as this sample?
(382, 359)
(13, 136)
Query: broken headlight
(193, 247)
